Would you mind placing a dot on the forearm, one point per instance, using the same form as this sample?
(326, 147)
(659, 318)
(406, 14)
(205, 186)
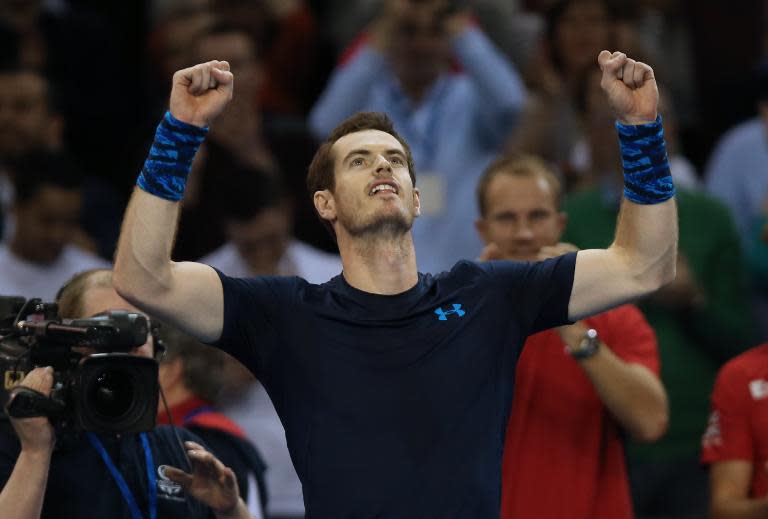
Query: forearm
(22, 496)
(633, 395)
(502, 89)
(143, 259)
(740, 508)
(239, 512)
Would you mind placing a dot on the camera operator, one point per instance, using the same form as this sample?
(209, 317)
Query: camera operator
(46, 474)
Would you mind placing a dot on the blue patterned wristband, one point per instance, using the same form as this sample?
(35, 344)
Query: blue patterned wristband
(647, 179)
(170, 158)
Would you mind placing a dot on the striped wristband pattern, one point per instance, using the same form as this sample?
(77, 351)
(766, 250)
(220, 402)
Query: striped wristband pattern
(647, 178)
(170, 158)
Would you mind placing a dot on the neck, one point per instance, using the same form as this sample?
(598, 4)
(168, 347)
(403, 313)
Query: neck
(383, 265)
(176, 394)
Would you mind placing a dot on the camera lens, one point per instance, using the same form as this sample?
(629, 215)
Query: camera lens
(116, 393)
(112, 393)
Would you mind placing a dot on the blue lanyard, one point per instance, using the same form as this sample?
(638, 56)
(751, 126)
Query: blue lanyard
(122, 485)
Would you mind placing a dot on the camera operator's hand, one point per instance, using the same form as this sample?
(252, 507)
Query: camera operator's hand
(201, 92)
(36, 435)
(210, 482)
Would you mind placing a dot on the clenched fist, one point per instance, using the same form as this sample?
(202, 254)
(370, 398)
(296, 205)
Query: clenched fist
(201, 92)
(630, 86)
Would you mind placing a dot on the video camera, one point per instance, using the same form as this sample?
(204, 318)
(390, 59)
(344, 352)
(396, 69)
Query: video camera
(109, 391)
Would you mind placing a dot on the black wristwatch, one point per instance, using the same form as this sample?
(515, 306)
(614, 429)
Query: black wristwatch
(588, 346)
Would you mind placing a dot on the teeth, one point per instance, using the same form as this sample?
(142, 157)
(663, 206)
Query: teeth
(382, 187)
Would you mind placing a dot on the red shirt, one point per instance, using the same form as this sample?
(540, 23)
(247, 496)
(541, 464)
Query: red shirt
(738, 424)
(196, 411)
(564, 455)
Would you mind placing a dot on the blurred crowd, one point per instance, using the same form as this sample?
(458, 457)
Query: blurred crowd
(83, 84)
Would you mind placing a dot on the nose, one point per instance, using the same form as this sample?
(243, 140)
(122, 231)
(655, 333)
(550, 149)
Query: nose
(524, 231)
(382, 165)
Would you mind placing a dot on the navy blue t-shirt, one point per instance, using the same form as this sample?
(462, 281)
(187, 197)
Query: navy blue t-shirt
(396, 406)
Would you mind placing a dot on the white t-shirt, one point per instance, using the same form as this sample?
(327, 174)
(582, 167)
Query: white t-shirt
(299, 259)
(19, 277)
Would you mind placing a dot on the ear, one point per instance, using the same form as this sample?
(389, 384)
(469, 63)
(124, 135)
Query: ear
(481, 225)
(325, 205)
(416, 202)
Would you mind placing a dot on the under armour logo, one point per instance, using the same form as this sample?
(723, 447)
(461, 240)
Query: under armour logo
(443, 314)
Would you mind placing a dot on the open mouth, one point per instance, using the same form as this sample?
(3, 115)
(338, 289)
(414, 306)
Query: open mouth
(383, 187)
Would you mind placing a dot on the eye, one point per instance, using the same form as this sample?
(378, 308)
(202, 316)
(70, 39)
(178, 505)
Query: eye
(357, 162)
(397, 160)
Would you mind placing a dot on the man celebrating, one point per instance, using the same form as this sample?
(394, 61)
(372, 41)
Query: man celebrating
(596, 376)
(393, 386)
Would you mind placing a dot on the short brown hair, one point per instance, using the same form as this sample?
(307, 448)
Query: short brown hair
(321, 170)
(519, 166)
(70, 295)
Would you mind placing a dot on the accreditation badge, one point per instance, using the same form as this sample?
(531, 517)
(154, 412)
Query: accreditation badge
(432, 193)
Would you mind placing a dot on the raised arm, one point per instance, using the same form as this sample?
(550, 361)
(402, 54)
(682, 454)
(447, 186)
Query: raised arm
(187, 295)
(23, 493)
(643, 255)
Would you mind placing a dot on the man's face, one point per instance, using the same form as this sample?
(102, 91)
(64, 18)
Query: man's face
(420, 47)
(521, 216)
(100, 299)
(25, 119)
(582, 32)
(373, 192)
(262, 240)
(46, 223)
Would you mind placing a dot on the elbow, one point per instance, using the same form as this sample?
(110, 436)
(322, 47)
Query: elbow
(124, 288)
(653, 427)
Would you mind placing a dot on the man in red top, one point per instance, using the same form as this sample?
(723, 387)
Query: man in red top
(577, 387)
(735, 444)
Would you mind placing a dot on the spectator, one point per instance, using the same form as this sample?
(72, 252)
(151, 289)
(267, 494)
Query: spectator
(191, 380)
(455, 122)
(598, 376)
(734, 444)
(736, 175)
(258, 229)
(700, 319)
(41, 253)
(575, 31)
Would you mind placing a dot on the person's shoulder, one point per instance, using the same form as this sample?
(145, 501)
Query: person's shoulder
(745, 135)
(83, 259)
(705, 205)
(221, 258)
(751, 363)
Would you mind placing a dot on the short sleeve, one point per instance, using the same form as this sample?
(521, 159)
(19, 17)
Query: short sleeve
(253, 312)
(627, 333)
(539, 291)
(728, 435)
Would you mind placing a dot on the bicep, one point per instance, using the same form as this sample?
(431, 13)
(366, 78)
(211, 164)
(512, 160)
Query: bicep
(601, 280)
(194, 301)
